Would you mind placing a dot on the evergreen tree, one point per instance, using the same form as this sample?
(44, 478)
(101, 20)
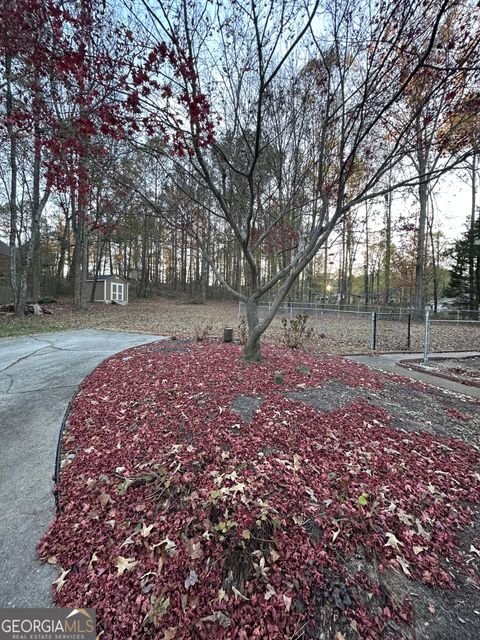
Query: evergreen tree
(465, 252)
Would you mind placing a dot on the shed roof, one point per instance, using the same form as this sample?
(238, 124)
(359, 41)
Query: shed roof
(101, 278)
(4, 249)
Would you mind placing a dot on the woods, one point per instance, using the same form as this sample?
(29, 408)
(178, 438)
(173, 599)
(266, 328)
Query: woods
(274, 150)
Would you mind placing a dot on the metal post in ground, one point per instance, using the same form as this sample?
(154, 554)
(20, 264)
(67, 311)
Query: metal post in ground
(373, 335)
(409, 331)
(426, 338)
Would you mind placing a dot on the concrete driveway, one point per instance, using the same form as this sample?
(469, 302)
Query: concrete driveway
(38, 376)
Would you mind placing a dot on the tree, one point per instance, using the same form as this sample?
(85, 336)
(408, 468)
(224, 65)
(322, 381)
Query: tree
(63, 66)
(466, 252)
(25, 47)
(325, 140)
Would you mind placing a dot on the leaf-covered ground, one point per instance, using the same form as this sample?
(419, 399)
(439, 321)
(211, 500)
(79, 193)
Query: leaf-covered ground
(334, 333)
(201, 499)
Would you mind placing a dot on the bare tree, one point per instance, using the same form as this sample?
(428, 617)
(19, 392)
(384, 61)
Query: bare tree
(301, 99)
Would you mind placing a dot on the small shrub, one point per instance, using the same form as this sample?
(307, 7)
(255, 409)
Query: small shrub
(202, 333)
(296, 332)
(242, 331)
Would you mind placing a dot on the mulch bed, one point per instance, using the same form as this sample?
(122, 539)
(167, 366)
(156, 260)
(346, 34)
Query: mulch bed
(200, 499)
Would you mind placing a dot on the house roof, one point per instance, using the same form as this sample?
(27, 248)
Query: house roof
(101, 278)
(4, 249)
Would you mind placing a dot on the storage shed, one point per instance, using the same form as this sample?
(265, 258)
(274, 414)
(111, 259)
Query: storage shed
(109, 288)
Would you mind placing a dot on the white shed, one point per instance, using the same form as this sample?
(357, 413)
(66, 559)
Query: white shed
(108, 288)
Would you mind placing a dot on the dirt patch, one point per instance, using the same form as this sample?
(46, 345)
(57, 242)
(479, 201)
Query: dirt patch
(246, 406)
(411, 407)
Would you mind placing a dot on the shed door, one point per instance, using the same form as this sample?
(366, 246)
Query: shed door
(117, 292)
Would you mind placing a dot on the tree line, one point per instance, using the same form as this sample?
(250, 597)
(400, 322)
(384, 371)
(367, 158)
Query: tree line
(243, 145)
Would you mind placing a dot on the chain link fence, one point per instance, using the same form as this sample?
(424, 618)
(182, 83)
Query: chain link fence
(443, 334)
(357, 328)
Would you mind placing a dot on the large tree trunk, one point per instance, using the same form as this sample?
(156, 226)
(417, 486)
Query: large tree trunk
(366, 266)
(388, 245)
(471, 252)
(420, 254)
(251, 350)
(434, 264)
(33, 255)
(64, 244)
(98, 266)
(79, 257)
(144, 276)
(18, 302)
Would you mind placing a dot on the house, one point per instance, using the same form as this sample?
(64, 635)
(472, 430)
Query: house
(109, 288)
(4, 259)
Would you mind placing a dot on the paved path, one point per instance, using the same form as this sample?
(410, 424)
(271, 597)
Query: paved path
(389, 362)
(38, 376)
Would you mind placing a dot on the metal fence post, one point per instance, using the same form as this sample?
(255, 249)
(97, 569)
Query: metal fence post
(373, 341)
(426, 338)
(409, 331)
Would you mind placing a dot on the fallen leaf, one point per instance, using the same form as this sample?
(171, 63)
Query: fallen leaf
(421, 531)
(393, 541)
(158, 608)
(417, 549)
(404, 564)
(145, 532)
(239, 593)
(124, 564)
(362, 499)
(274, 556)
(61, 580)
(93, 559)
(191, 579)
(269, 592)
(219, 617)
(170, 547)
(404, 517)
(287, 601)
(105, 498)
(297, 460)
(128, 541)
